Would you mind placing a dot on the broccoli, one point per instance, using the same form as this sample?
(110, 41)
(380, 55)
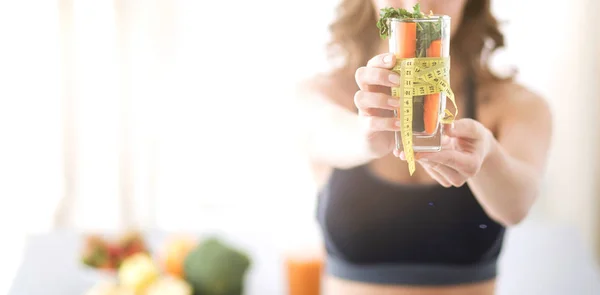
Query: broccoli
(214, 268)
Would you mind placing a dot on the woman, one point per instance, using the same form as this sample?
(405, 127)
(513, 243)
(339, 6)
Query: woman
(439, 231)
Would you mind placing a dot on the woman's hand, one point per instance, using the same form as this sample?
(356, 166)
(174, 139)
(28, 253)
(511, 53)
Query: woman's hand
(375, 104)
(465, 146)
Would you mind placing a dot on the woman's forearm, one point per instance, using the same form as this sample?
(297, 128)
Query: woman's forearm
(505, 186)
(333, 135)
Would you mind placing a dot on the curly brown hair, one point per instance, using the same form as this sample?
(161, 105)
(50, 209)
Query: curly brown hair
(355, 38)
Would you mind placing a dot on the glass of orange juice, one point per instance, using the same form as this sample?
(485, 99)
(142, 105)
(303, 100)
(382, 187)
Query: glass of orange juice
(303, 272)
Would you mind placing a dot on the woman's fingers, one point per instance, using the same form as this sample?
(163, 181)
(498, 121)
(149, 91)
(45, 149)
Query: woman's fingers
(368, 76)
(373, 100)
(372, 79)
(467, 164)
(454, 177)
(400, 154)
(437, 176)
(378, 72)
(447, 128)
(444, 175)
(464, 128)
(446, 141)
(374, 124)
(384, 61)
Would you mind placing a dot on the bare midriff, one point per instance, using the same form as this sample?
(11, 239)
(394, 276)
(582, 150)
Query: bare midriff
(335, 286)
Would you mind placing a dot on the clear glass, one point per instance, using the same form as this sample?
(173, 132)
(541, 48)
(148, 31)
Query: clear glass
(410, 38)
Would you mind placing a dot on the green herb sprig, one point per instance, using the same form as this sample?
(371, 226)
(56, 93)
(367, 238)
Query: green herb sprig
(426, 31)
(386, 13)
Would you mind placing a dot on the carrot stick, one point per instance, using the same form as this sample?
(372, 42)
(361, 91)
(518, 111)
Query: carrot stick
(432, 101)
(435, 49)
(406, 42)
(406, 39)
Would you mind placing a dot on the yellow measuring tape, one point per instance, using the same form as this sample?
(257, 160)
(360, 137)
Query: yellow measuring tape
(420, 76)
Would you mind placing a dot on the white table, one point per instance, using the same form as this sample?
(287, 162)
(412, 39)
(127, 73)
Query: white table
(536, 260)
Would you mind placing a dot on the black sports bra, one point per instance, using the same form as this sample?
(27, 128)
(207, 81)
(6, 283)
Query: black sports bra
(376, 231)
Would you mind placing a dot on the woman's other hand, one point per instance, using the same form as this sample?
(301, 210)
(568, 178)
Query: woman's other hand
(465, 146)
(375, 104)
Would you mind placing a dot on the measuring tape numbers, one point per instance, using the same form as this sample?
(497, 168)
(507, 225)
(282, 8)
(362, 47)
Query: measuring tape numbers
(418, 77)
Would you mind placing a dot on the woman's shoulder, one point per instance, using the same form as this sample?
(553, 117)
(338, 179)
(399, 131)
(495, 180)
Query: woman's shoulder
(511, 95)
(512, 102)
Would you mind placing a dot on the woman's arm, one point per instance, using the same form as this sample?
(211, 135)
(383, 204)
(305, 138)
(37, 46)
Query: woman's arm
(504, 172)
(330, 133)
(337, 136)
(509, 179)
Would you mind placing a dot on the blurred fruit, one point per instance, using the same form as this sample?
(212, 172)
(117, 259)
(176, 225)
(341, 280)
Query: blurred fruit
(174, 254)
(114, 251)
(169, 286)
(132, 243)
(95, 252)
(137, 272)
(102, 288)
(108, 288)
(129, 237)
(103, 254)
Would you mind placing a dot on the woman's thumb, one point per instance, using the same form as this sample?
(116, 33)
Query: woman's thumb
(463, 128)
